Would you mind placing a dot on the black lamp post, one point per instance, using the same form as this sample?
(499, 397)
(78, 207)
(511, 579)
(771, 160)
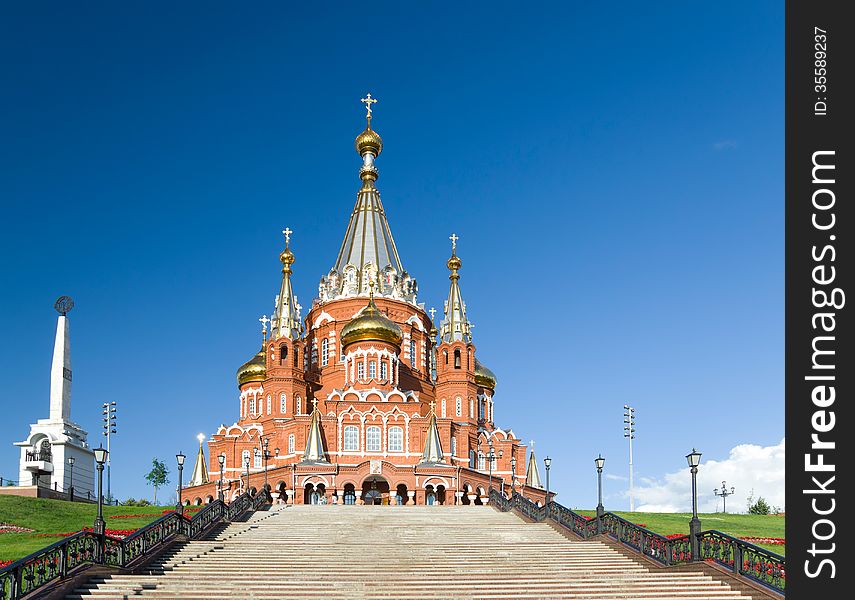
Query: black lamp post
(724, 493)
(71, 479)
(513, 475)
(547, 462)
(265, 455)
(600, 461)
(100, 459)
(491, 457)
(180, 458)
(694, 459)
(222, 459)
(246, 463)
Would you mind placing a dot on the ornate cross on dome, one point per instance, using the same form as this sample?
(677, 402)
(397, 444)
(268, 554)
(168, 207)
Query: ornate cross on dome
(315, 403)
(287, 232)
(432, 312)
(432, 405)
(368, 101)
(532, 444)
(453, 239)
(264, 321)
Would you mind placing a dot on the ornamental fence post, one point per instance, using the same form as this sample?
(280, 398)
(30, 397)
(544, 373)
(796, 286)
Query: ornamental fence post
(737, 559)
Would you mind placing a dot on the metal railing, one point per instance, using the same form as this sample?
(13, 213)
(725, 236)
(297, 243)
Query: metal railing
(745, 559)
(55, 562)
(43, 456)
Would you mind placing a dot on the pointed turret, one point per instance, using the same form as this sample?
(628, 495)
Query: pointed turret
(286, 318)
(368, 252)
(200, 469)
(60, 370)
(532, 475)
(433, 447)
(315, 442)
(455, 326)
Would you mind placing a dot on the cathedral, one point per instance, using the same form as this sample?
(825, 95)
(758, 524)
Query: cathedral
(365, 401)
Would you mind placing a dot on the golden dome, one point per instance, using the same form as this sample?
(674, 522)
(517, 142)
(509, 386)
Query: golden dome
(369, 141)
(484, 376)
(287, 257)
(454, 263)
(254, 370)
(371, 325)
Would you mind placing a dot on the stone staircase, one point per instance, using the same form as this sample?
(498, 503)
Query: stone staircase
(397, 552)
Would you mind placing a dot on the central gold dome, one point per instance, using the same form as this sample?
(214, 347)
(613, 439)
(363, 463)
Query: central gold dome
(484, 376)
(371, 325)
(254, 370)
(369, 141)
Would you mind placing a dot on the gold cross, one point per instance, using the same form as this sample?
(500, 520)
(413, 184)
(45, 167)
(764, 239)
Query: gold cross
(432, 312)
(368, 101)
(315, 403)
(453, 239)
(287, 231)
(432, 405)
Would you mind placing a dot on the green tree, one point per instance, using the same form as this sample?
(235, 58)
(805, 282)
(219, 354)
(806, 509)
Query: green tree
(158, 476)
(761, 507)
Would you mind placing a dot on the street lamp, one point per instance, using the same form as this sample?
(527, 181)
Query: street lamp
(513, 474)
(222, 459)
(100, 458)
(265, 455)
(547, 462)
(724, 493)
(180, 458)
(600, 461)
(694, 459)
(491, 457)
(246, 463)
(71, 479)
(109, 419)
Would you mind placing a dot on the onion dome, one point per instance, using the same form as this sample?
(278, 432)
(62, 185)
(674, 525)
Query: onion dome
(369, 141)
(254, 370)
(484, 377)
(371, 325)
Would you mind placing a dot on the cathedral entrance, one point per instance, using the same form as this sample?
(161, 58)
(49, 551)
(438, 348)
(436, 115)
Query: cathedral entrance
(375, 490)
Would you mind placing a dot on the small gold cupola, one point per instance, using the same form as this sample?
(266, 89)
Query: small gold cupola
(254, 370)
(371, 326)
(484, 377)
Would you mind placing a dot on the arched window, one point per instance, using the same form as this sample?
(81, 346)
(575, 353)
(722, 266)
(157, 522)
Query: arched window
(453, 446)
(445, 354)
(296, 357)
(384, 371)
(442, 408)
(471, 459)
(481, 461)
(459, 411)
(351, 438)
(252, 406)
(413, 353)
(244, 459)
(291, 444)
(372, 369)
(396, 439)
(360, 371)
(257, 459)
(283, 404)
(481, 409)
(325, 352)
(299, 409)
(268, 404)
(372, 439)
(283, 354)
(457, 358)
(471, 408)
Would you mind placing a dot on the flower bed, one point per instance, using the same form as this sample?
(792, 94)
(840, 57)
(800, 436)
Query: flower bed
(10, 528)
(116, 533)
(765, 540)
(187, 510)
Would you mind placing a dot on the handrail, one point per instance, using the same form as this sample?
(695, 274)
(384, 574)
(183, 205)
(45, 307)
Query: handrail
(56, 561)
(745, 559)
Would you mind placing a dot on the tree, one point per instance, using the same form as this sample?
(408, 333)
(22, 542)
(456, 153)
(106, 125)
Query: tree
(158, 476)
(761, 507)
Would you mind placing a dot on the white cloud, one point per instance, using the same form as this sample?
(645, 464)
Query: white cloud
(725, 145)
(749, 467)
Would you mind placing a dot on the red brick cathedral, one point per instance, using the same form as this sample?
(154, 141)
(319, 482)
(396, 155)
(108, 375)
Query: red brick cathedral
(364, 401)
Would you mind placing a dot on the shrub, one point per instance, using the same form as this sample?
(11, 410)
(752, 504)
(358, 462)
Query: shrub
(760, 507)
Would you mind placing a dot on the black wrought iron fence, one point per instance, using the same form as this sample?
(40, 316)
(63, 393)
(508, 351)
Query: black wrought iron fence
(748, 560)
(56, 561)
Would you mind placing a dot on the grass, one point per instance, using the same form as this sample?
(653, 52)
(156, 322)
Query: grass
(736, 525)
(57, 516)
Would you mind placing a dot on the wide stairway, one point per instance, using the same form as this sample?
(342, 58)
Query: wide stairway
(401, 552)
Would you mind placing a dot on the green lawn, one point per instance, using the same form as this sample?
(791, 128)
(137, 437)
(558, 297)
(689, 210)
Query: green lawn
(57, 516)
(735, 525)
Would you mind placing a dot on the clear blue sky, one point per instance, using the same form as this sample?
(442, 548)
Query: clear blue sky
(615, 175)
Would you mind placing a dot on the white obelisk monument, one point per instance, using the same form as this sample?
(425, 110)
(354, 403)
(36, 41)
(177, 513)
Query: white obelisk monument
(56, 456)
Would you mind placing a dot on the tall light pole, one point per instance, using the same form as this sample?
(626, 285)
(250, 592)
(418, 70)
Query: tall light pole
(222, 459)
(109, 418)
(246, 463)
(629, 432)
(547, 462)
(600, 461)
(491, 457)
(694, 459)
(724, 493)
(180, 458)
(100, 458)
(513, 475)
(265, 455)
(71, 479)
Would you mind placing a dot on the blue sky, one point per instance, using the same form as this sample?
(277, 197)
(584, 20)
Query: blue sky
(615, 176)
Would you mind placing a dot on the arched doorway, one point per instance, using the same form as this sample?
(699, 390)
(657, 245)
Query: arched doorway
(430, 495)
(349, 494)
(310, 494)
(401, 494)
(440, 494)
(375, 490)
